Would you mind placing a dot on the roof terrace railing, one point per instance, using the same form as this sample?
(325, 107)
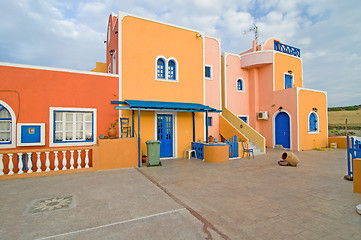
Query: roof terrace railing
(287, 49)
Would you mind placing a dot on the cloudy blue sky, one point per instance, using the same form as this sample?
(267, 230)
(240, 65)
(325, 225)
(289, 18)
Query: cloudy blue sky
(70, 34)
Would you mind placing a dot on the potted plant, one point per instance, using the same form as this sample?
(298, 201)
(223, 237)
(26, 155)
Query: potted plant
(144, 158)
(210, 138)
(112, 131)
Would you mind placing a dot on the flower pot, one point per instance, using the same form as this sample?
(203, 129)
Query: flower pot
(210, 139)
(144, 159)
(112, 132)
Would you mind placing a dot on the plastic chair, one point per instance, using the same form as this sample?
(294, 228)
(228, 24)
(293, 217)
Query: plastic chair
(190, 151)
(246, 149)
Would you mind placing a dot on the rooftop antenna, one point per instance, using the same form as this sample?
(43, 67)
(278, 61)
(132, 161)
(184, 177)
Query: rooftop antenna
(255, 29)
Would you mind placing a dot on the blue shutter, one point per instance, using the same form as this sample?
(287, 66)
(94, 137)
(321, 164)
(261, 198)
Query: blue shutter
(207, 72)
(171, 70)
(160, 68)
(312, 123)
(239, 85)
(288, 81)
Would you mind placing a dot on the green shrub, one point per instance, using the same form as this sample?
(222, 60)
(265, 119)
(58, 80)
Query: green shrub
(351, 108)
(335, 109)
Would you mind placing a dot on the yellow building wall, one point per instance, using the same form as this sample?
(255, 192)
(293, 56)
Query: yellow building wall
(142, 42)
(100, 67)
(307, 100)
(284, 63)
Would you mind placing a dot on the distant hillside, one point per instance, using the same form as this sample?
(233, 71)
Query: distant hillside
(348, 108)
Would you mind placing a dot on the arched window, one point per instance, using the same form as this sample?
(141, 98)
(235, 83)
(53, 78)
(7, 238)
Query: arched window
(313, 122)
(171, 70)
(240, 85)
(160, 68)
(5, 126)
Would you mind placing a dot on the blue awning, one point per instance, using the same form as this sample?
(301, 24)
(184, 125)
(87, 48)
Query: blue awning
(163, 106)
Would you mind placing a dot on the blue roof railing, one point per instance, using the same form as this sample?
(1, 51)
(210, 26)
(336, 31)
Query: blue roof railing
(287, 49)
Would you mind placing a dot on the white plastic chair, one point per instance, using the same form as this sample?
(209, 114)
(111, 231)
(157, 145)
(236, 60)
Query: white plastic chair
(190, 151)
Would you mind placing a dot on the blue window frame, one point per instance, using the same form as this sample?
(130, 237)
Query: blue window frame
(73, 126)
(160, 68)
(288, 81)
(171, 70)
(207, 72)
(313, 122)
(240, 86)
(5, 126)
(209, 121)
(244, 118)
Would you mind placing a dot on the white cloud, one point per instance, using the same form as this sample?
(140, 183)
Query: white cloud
(66, 33)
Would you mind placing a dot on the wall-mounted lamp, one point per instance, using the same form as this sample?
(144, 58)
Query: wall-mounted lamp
(105, 41)
(116, 32)
(314, 109)
(111, 52)
(280, 108)
(199, 35)
(290, 71)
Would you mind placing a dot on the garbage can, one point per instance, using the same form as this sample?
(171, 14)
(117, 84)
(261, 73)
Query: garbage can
(153, 149)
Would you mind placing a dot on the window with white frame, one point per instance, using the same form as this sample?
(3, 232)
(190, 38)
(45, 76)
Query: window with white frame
(166, 69)
(71, 126)
(208, 72)
(240, 85)
(5, 126)
(313, 122)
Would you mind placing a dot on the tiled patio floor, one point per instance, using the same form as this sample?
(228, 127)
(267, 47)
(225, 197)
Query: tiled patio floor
(191, 199)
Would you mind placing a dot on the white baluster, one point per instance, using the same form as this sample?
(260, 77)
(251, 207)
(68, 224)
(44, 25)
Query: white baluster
(11, 165)
(47, 162)
(1, 165)
(86, 158)
(71, 159)
(30, 162)
(64, 160)
(56, 161)
(78, 161)
(20, 163)
(38, 162)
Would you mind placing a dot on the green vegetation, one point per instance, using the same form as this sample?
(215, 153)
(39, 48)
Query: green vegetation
(354, 108)
(334, 109)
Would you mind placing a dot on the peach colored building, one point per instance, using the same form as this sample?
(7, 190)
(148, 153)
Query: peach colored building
(264, 88)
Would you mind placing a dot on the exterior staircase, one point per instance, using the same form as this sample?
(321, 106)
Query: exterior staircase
(255, 140)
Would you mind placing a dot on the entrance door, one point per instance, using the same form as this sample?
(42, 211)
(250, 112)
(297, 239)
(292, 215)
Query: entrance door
(288, 81)
(165, 134)
(283, 130)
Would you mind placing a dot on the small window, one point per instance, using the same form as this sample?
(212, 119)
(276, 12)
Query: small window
(73, 126)
(313, 122)
(209, 121)
(240, 85)
(288, 81)
(244, 118)
(5, 126)
(208, 72)
(171, 70)
(161, 69)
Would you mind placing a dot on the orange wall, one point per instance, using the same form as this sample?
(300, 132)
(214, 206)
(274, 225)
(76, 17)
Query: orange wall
(113, 43)
(307, 100)
(41, 89)
(282, 64)
(139, 69)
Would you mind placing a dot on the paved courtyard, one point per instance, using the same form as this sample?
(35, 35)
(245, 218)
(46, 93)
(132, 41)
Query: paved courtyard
(189, 199)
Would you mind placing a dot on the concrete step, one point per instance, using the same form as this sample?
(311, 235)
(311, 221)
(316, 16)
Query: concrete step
(256, 150)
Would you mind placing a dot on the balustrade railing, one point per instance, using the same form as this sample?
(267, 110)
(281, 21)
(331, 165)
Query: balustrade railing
(44, 160)
(287, 49)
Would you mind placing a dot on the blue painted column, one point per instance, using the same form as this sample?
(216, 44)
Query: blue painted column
(206, 126)
(132, 123)
(194, 127)
(139, 156)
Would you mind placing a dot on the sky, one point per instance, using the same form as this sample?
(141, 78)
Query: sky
(70, 34)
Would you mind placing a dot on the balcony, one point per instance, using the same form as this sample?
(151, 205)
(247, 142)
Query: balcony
(287, 49)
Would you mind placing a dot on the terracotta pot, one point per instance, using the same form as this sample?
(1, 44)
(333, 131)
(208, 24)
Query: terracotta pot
(210, 139)
(112, 132)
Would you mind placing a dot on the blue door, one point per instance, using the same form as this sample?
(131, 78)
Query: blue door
(245, 119)
(165, 134)
(283, 130)
(288, 81)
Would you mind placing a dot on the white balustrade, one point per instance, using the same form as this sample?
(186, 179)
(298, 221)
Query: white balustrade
(78, 161)
(38, 162)
(31, 161)
(56, 161)
(71, 159)
(86, 158)
(1, 165)
(47, 162)
(11, 164)
(64, 160)
(20, 163)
